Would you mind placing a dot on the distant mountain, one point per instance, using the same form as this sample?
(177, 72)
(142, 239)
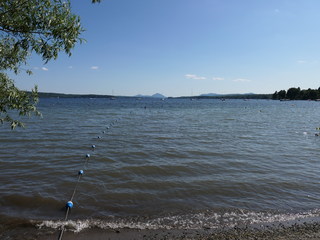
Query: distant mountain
(63, 95)
(157, 95)
(210, 95)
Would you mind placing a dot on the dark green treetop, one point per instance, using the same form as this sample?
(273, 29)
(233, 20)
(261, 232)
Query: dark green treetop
(297, 94)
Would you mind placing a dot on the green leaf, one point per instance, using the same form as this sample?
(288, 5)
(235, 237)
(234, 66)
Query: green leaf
(44, 27)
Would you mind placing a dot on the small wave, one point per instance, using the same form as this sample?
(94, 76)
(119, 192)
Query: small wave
(32, 201)
(203, 220)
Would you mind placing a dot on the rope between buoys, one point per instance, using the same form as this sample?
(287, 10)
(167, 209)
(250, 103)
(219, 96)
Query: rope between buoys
(62, 229)
(69, 204)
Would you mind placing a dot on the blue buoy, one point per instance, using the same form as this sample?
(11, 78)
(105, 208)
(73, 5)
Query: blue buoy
(69, 204)
(88, 155)
(81, 172)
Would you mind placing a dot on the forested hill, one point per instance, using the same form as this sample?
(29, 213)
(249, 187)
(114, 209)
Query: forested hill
(232, 96)
(62, 95)
(297, 94)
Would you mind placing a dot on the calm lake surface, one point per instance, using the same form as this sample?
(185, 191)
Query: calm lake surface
(169, 163)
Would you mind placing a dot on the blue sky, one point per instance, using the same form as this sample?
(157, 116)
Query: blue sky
(187, 47)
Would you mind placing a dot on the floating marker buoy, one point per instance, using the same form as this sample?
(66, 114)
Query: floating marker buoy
(69, 204)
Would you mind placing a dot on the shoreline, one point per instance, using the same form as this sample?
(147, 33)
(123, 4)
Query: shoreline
(279, 231)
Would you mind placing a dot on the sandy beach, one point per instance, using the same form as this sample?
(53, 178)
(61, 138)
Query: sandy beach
(279, 231)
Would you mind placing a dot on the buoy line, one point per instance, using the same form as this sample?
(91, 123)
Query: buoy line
(69, 203)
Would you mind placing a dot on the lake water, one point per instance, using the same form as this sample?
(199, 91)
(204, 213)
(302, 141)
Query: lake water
(173, 164)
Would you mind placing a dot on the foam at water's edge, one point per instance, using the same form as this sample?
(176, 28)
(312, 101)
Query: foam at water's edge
(207, 219)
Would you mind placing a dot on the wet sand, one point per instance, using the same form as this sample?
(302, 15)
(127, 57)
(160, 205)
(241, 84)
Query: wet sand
(303, 230)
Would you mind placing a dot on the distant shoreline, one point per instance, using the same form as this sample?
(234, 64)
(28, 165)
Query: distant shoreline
(64, 95)
(222, 96)
(231, 96)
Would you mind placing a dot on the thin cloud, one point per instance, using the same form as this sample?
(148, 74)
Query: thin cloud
(70, 67)
(45, 69)
(195, 77)
(276, 11)
(94, 67)
(218, 78)
(241, 80)
(301, 61)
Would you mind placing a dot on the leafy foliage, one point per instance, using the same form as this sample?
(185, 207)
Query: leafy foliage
(46, 27)
(12, 98)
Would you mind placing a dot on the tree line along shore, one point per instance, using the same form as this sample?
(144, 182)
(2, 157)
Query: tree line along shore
(297, 94)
